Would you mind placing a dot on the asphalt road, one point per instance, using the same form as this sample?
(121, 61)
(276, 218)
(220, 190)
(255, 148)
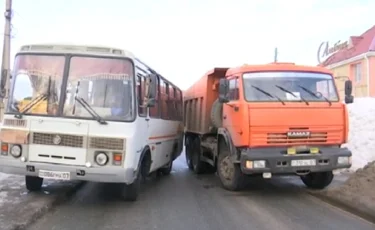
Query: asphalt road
(183, 201)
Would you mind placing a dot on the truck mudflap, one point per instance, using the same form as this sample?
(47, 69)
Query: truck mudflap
(289, 161)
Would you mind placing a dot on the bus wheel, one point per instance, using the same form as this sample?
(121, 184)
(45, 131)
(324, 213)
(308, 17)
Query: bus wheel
(230, 174)
(166, 170)
(318, 180)
(130, 191)
(188, 153)
(33, 183)
(199, 166)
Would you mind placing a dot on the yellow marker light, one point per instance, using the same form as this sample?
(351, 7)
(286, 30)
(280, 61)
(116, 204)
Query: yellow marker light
(314, 150)
(291, 151)
(249, 164)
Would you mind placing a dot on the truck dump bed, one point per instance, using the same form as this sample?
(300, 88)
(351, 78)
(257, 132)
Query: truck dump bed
(199, 99)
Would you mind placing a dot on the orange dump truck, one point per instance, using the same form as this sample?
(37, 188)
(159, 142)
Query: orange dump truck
(272, 119)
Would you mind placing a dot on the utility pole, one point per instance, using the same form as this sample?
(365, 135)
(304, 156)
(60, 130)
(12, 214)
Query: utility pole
(275, 57)
(5, 65)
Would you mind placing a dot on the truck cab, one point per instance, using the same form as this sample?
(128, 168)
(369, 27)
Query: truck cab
(275, 119)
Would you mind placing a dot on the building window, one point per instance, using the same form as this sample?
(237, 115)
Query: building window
(357, 72)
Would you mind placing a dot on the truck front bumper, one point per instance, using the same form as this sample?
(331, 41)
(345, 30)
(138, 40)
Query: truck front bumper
(276, 161)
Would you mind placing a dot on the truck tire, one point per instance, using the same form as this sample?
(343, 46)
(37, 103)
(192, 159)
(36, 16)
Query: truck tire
(230, 174)
(199, 166)
(33, 183)
(188, 152)
(217, 114)
(318, 180)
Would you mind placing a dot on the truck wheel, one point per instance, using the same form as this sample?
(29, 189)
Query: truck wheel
(230, 174)
(33, 183)
(198, 165)
(318, 180)
(188, 152)
(216, 114)
(130, 191)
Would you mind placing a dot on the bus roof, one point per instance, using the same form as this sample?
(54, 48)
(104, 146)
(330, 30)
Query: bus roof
(64, 48)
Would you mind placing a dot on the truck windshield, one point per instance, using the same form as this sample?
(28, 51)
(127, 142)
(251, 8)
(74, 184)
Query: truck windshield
(106, 84)
(290, 86)
(36, 84)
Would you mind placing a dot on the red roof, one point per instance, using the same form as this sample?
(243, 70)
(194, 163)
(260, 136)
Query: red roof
(360, 44)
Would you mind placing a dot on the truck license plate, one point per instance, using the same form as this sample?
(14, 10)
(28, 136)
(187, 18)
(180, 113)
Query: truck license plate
(297, 163)
(54, 175)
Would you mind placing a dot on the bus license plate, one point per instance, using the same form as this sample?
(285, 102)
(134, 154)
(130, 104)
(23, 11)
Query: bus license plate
(297, 163)
(54, 175)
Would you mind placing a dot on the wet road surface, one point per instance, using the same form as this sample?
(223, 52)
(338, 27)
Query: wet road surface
(183, 201)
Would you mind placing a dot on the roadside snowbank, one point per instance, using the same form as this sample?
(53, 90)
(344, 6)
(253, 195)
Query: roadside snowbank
(362, 131)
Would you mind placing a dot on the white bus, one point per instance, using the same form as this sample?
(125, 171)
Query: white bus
(89, 113)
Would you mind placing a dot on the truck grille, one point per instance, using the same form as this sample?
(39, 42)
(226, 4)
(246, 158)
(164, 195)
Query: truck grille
(282, 138)
(66, 140)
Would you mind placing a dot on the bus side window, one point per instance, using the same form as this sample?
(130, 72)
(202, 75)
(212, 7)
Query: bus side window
(155, 111)
(172, 103)
(164, 99)
(179, 104)
(140, 94)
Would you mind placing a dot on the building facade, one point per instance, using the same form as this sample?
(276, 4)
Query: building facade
(354, 60)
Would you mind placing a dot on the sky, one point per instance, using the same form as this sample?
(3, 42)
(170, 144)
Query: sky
(183, 39)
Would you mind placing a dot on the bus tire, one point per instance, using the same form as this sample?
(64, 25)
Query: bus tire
(33, 183)
(230, 174)
(318, 180)
(217, 114)
(130, 191)
(199, 166)
(166, 170)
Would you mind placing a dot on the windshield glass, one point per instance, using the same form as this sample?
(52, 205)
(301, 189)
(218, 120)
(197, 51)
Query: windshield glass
(35, 76)
(289, 86)
(106, 84)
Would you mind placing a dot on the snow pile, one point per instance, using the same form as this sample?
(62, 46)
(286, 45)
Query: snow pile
(361, 131)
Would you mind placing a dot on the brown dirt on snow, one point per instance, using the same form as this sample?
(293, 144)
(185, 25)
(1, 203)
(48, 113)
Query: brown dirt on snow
(359, 189)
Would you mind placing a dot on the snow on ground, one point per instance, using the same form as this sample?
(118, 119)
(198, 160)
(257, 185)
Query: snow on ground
(361, 131)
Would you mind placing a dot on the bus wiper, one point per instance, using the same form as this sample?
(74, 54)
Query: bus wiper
(91, 110)
(268, 94)
(30, 105)
(314, 95)
(291, 93)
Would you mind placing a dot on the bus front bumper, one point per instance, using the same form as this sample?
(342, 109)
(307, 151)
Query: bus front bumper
(68, 172)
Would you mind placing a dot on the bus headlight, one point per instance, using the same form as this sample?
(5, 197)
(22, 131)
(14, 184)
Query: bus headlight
(101, 158)
(16, 151)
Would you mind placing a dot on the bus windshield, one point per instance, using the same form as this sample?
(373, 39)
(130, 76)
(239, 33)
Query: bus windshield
(35, 76)
(106, 84)
(289, 86)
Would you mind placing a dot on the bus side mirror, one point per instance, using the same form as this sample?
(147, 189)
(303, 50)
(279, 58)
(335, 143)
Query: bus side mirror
(348, 92)
(150, 90)
(223, 90)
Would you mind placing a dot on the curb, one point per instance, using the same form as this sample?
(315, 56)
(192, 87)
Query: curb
(362, 211)
(38, 213)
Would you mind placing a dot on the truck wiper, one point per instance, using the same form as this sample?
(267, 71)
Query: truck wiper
(30, 105)
(291, 93)
(314, 95)
(89, 109)
(268, 94)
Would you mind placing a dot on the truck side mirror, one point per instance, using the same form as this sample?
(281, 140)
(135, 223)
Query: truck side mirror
(348, 92)
(223, 90)
(150, 90)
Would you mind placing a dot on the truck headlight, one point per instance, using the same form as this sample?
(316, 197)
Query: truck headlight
(101, 158)
(344, 160)
(16, 151)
